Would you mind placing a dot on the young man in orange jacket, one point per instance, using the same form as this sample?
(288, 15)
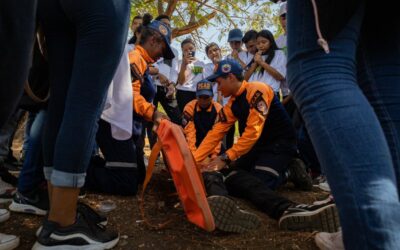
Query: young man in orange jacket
(256, 163)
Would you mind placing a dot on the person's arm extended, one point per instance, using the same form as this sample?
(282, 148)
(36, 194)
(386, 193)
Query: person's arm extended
(224, 122)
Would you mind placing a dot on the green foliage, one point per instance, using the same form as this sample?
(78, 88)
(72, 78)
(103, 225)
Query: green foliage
(251, 14)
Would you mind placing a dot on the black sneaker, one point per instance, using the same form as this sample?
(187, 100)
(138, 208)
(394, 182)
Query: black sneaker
(302, 217)
(35, 203)
(230, 218)
(88, 213)
(298, 175)
(91, 215)
(80, 235)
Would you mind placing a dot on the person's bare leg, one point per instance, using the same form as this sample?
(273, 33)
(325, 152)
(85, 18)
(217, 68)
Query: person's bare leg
(63, 205)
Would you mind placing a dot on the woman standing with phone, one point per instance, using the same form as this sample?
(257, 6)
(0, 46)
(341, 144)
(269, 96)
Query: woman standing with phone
(191, 72)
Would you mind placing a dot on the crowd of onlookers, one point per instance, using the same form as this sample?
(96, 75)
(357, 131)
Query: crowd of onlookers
(318, 103)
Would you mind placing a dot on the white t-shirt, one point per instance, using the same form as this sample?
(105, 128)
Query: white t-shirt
(244, 56)
(209, 70)
(278, 63)
(195, 74)
(282, 44)
(170, 69)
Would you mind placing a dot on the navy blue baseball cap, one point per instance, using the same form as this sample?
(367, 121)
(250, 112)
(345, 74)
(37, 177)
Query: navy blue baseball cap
(165, 31)
(224, 68)
(235, 35)
(204, 87)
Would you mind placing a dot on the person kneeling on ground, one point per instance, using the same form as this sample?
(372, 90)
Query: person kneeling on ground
(198, 118)
(254, 160)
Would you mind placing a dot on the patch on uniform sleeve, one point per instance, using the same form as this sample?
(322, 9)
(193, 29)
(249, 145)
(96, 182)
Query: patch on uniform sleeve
(221, 117)
(258, 102)
(186, 118)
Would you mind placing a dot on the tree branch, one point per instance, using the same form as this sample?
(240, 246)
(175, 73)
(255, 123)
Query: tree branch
(193, 26)
(216, 9)
(171, 7)
(160, 8)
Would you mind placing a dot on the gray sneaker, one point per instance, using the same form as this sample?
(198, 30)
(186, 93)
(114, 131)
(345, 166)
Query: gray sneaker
(230, 218)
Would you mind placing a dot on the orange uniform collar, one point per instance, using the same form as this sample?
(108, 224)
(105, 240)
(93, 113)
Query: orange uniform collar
(198, 109)
(241, 89)
(144, 54)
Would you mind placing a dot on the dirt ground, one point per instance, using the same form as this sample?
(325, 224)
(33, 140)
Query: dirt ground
(179, 234)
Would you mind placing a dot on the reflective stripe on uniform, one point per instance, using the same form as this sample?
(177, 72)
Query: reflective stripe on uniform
(267, 169)
(117, 164)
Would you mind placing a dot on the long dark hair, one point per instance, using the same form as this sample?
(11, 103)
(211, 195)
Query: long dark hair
(270, 53)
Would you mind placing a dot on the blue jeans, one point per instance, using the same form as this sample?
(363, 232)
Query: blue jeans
(31, 175)
(350, 102)
(85, 41)
(17, 26)
(28, 125)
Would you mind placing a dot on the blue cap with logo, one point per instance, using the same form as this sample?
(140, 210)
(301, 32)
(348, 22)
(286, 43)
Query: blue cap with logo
(165, 31)
(235, 35)
(226, 67)
(204, 87)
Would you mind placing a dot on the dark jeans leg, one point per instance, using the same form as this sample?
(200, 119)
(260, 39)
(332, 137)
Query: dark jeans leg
(118, 175)
(7, 134)
(31, 175)
(29, 121)
(85, 40)
(244, 185)
(17, 25)
(344, 123)
(214, 184)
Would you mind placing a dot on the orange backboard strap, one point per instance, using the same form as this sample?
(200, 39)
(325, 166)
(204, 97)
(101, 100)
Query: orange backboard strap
(150, 168)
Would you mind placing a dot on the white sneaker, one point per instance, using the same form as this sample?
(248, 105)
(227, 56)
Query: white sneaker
(4, 215)
(8, 242)
(329, 241)
(324, 186)
(329, 199)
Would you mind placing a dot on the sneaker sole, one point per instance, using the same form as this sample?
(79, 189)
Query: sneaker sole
(12, 244)
(4, 216)
(26, 209)
(229, 218)
(98, 246)
(325, 219)
(5, 200)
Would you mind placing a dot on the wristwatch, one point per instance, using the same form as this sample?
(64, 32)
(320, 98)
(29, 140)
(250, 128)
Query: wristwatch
(224, 157)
